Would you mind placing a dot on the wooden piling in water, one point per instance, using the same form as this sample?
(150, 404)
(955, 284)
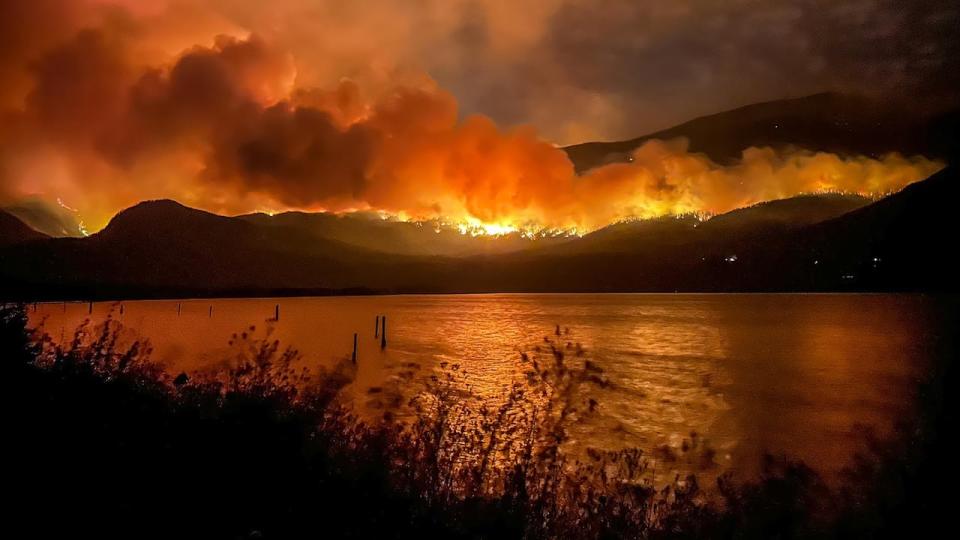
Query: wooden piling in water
(178, 309)
(121, 310)
(354, 358)
(210, 312)
(376, 328)
(383, 333)
(90, 309)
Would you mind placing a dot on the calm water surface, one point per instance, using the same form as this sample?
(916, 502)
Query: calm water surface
(800, 375)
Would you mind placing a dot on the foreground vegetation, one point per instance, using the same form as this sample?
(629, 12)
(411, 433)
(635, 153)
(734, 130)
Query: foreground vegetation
(103, 442)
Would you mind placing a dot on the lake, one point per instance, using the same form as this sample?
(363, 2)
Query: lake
(741, 374)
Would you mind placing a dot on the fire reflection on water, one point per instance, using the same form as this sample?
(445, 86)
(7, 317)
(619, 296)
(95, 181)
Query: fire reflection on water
(700, 383)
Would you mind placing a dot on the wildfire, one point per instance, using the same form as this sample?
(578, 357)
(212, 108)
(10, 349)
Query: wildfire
(475, 227)
(226, 128)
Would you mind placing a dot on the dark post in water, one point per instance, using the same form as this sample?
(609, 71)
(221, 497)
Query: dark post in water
(383, 333)
(178, 309)
(90, 309)
(376, 328)
(276, 313)
(354, 358)
(210, 312)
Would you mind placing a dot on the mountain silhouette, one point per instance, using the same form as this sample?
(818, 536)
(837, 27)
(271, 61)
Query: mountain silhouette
(164, 246)
(784, 214)
(763, 219)
(813, 242)
(827, 122)
(896, 242)
(14, 231)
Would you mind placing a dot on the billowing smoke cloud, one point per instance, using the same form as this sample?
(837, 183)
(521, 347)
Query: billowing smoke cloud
(109, 114)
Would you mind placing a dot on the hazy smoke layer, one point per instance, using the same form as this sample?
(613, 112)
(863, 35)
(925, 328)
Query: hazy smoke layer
(106, 106)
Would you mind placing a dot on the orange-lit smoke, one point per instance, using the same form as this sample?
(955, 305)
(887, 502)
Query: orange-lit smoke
(108, 119)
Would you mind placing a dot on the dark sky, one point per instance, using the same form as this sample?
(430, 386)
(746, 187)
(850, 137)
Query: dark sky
(576, 69)
(623, 67)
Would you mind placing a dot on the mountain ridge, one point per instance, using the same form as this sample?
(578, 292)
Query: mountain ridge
(830, 122)
(14, 231)
(228, 255)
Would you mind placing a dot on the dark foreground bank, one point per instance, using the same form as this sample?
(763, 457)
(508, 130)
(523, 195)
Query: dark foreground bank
(101, 442)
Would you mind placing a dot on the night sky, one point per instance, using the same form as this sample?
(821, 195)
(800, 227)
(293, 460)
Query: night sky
(621, 68)
(577, 69)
